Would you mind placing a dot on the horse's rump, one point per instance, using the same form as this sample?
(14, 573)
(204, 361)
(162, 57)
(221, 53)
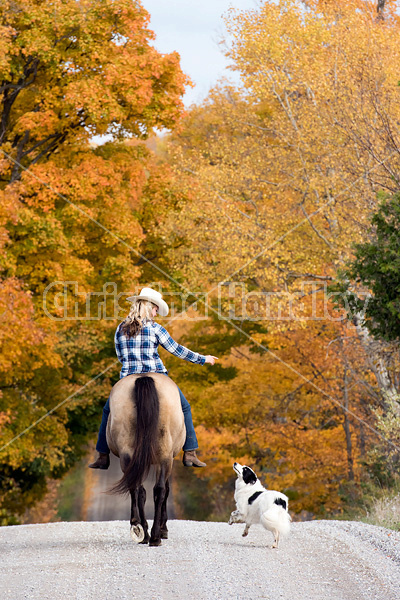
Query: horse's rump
(145, 426)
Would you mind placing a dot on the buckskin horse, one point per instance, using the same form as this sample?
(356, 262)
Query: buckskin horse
(145, 427)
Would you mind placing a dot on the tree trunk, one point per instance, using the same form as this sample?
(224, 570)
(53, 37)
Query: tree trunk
(346, 427)
(380, 7)
(362, 441)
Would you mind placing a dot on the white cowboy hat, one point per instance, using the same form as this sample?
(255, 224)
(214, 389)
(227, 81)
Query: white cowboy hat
(154, 297)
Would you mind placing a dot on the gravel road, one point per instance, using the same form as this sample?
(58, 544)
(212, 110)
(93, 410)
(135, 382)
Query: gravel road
(320, 560)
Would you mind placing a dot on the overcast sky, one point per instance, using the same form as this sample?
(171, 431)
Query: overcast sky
(193, 28)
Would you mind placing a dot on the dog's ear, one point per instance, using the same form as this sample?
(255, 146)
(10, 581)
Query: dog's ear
(248, 475)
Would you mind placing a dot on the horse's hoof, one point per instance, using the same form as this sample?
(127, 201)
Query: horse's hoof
(154, 542)
(145, 540)
(137, 533)
(164, 534)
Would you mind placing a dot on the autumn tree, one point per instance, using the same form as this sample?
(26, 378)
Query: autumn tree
(309, 89)
(69, 212)
(282, 174)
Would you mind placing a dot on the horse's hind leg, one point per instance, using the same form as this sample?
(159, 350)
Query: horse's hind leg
(159, 492)
(137, 531)
(164, 514)
(141, 505)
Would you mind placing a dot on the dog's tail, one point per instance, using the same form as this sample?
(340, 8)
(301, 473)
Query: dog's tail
(278, 519)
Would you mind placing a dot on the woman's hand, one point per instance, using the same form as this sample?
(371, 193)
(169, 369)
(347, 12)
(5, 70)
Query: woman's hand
(211, 359)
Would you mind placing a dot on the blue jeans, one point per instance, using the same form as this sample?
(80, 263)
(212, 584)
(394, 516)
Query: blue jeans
(191, 439)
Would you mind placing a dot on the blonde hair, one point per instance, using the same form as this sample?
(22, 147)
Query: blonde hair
(141, 310)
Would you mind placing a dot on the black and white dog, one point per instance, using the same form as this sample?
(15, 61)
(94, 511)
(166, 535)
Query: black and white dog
(255, 504)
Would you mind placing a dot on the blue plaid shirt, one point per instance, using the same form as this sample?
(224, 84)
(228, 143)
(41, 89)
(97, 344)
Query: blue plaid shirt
(139, 354)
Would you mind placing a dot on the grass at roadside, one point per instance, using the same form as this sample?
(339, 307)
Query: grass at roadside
(374, 504)
(385, 512)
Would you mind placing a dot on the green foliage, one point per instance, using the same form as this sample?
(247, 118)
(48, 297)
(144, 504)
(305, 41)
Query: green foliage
(375, 271)
(201, 498)
(70, 496)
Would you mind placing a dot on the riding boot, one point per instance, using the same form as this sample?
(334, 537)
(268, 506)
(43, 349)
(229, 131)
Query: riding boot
(190, 459)
(102, 462)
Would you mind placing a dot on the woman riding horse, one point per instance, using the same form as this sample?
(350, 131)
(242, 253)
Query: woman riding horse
(136, 342)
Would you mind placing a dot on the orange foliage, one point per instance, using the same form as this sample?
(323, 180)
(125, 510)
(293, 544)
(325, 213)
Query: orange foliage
(70, 211)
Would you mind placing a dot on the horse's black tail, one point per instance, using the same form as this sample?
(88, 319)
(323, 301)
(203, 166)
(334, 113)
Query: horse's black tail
(146, 436)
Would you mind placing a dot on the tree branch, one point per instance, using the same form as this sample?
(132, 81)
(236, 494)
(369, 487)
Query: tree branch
(319, 234)
(380, 7)
(30, 69)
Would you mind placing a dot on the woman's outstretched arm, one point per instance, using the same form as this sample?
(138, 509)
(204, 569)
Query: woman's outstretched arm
(169, 344)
